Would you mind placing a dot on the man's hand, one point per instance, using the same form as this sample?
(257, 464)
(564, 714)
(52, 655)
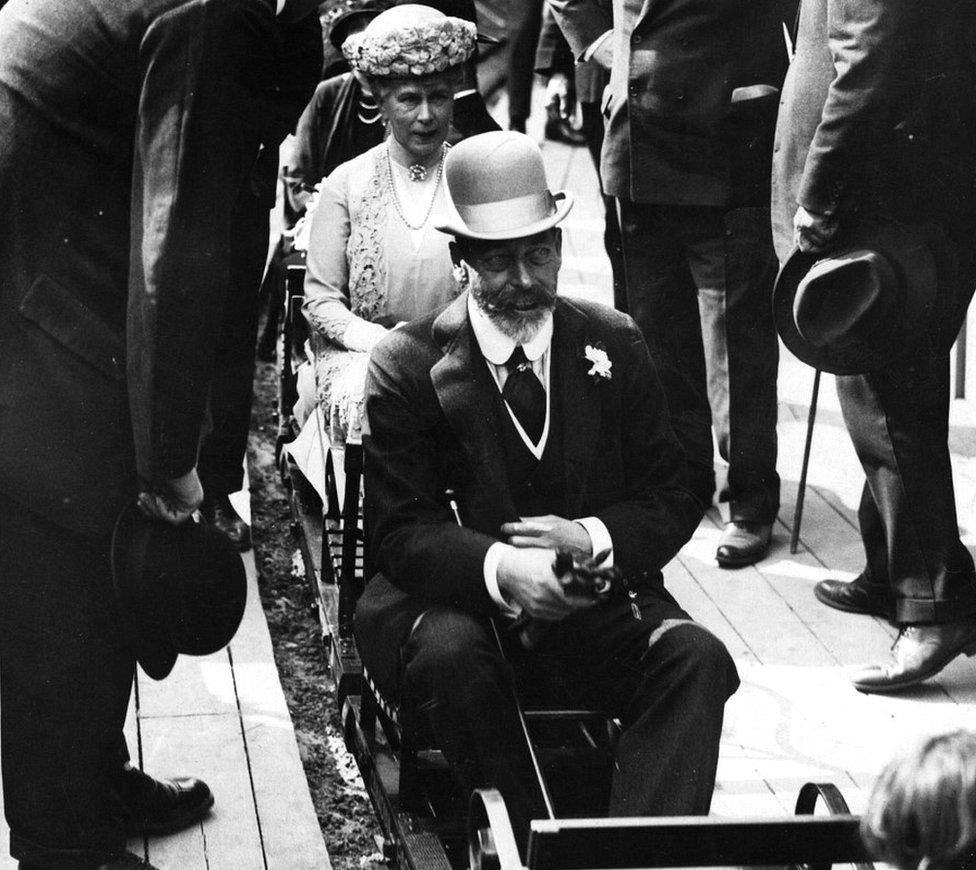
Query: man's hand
(525, 576)
(549, 531)
(557, 94)
(603, 56)
(812, 232)
(175, 500)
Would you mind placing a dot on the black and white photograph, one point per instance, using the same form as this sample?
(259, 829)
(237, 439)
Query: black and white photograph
(487, 434)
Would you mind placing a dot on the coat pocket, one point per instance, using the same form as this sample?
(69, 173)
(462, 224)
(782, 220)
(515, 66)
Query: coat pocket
(64, 318)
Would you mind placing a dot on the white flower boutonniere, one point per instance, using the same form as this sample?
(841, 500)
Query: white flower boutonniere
(601, 364)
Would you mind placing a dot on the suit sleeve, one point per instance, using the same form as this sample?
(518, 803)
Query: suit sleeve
(657, 515)
(864, 36)
(413, 537)
(202, 66)
(582, 22)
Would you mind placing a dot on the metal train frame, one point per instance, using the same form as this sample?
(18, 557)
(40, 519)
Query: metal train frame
(424, 823)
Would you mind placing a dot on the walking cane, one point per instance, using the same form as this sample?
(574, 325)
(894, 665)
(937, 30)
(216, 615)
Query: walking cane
(801, 489)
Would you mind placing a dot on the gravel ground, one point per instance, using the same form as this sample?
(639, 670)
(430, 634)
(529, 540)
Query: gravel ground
(343, 808)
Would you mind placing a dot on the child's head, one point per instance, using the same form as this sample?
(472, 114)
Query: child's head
(922, 810)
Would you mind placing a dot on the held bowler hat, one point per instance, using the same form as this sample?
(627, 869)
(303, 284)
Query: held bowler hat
(180, 589)
(497, 185)
(860, 308)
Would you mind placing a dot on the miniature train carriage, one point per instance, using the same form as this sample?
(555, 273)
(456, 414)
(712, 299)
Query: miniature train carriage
(426, 823)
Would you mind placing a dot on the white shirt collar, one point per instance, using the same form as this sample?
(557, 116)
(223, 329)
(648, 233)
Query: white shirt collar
(496, 347)
(279, 6)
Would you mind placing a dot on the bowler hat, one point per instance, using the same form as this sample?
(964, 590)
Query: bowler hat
(497, 186)
(180, 589)
(860, 308)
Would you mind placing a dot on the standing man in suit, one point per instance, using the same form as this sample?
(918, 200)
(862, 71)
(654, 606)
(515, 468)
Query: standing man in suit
(222, 451)
(698, 269)
(591, 81)
(546, 419)
(878, 123)
(126, 131)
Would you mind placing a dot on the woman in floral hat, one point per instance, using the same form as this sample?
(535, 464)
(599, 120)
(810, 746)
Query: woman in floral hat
(374, 258)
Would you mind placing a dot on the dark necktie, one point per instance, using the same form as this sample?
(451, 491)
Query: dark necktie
(525, 394)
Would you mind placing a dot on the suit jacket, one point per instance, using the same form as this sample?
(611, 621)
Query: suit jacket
(127, 129)
(434, 423)
(675, 65)
(877, 115)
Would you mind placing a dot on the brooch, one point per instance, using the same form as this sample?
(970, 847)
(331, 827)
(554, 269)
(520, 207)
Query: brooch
(417, 172)
(601, 364)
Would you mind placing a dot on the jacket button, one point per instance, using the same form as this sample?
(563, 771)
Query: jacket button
(632, 90)
(637, 39)
(679, 97)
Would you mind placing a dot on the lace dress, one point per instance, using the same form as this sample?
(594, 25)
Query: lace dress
(367, 272)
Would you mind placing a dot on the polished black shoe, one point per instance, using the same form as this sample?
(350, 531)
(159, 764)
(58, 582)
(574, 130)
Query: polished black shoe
(559, 129)
(221, 513)
(743, 543)
(161, 806)
(856, 596)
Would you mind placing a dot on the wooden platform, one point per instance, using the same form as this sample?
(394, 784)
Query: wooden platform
(795, 718)
(224, 718)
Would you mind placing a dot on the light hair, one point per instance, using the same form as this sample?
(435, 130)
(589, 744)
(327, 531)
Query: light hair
(922, 809)
(380, 86)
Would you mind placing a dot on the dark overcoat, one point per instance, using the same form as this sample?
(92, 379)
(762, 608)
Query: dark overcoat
(126, 129)
(877, 116)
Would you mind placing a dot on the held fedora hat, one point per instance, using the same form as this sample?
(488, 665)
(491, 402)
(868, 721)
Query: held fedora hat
(180, 589)
(496, 183)
(859, 308)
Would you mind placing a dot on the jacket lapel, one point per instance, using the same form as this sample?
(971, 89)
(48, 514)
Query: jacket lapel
(579, 401)
(464, 389)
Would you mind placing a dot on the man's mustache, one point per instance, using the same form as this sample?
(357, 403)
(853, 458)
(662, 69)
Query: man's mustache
(513, 299)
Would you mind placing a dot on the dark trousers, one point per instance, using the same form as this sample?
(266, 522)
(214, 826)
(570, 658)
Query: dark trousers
(699, 283)
(666, 678)
(898, 421)
(593, 131)
(524, 25)
(221, 461)
(65, 677)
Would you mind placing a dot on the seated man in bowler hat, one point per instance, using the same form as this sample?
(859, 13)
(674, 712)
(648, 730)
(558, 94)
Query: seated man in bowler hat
(545, 419)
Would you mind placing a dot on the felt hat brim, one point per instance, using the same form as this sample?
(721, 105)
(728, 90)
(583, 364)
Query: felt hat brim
(909, 257)
(452, 223)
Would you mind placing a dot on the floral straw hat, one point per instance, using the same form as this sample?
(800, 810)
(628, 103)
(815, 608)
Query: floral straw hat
(410, 40)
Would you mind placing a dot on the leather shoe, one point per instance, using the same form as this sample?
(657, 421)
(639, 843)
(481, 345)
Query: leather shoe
(743, 543)
(221, 513)
(920, 652)
(859, 595)
(559, 129)
(161, 806)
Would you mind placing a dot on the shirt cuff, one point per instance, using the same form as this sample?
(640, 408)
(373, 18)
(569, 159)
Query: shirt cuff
(492, 558)
(593, 46)
(599, 538)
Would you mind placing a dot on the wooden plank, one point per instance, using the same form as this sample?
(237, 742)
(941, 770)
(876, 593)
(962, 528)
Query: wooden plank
(210, 746)
(290, 829)
(769, 627)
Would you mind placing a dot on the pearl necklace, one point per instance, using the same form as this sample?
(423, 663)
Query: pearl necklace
(396, 197)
